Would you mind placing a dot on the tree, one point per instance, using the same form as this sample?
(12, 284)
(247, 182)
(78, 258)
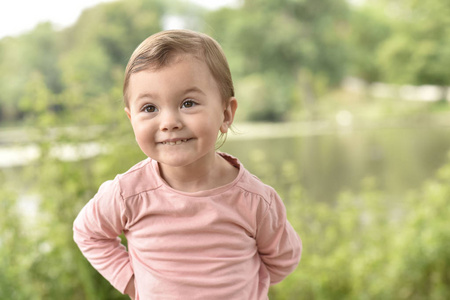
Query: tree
(420, 47)
(297, 42)
(36, 51)
(369, 28)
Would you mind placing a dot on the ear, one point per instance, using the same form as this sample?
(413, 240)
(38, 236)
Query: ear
(128, 112)
(228, 114)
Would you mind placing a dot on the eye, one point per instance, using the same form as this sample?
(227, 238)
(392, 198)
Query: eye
(149, 108)
(188, 103)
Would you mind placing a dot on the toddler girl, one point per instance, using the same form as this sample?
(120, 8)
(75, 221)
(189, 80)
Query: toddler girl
(197, 223)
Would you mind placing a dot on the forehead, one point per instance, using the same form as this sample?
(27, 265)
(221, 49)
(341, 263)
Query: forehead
(189, 66)
(182, 72)
(159, 61)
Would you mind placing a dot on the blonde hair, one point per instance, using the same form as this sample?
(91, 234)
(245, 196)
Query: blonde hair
(156, 52)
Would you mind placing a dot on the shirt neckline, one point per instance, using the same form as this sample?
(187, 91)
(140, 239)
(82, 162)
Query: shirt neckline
(211, 192)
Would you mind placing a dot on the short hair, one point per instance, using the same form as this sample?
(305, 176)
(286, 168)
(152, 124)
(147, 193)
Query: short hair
(156, 51)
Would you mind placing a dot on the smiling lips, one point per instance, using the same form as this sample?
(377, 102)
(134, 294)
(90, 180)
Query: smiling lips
(174, 142)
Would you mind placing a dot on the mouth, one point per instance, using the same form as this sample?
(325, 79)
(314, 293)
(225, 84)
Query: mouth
(174, 142)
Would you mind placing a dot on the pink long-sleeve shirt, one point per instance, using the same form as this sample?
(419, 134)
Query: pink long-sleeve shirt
(231, 242)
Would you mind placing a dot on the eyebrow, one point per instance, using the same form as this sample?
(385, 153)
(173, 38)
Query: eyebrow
(194, 90)
(147, 95)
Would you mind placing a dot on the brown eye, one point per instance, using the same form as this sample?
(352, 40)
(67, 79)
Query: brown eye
(149, 108)
(188, 104)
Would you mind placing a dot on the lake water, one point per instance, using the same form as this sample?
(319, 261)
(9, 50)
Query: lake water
(323, 161)
(398, 159)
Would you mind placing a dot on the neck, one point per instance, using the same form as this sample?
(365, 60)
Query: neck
(209, 174)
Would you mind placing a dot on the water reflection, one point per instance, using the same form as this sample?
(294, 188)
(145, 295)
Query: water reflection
(399, 159)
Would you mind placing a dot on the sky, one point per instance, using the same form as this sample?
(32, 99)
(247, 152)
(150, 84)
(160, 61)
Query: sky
(19, 16)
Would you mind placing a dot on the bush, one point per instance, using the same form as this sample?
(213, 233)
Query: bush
(368, 246)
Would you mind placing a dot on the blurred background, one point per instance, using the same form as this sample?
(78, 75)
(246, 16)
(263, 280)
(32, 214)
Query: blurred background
(343, 108)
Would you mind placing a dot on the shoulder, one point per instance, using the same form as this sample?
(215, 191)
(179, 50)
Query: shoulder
(263, 199)
(140, 178)
(249, 183)
(253, 185)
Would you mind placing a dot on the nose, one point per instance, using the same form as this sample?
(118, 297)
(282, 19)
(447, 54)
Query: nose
(170, 121)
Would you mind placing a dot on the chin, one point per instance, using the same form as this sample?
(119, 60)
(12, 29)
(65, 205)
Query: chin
(177, 161)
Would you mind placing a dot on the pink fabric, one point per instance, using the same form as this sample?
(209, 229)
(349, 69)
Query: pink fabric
(231, 242)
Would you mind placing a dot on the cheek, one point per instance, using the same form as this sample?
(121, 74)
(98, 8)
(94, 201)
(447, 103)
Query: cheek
(210, 131)
(141, 132)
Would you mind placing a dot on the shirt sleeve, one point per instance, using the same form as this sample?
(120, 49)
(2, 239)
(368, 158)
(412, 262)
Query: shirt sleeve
(96, 231)
(279, 246)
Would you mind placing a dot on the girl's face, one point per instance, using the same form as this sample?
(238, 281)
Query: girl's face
(177, 112)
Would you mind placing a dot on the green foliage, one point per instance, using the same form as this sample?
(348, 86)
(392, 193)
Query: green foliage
(421, 264)
(418, 49)
(370, 27)
(41, 259)
(279, 41)
(14, 247)
(371, 247)
(20, 59)
(284, 55)
(273, 44)
(80, 63)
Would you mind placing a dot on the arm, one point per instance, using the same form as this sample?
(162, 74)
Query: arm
(96, 231)
(278, 244)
